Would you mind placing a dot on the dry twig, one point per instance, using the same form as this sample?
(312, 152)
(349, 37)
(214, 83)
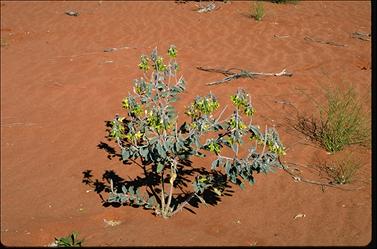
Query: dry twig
(298, 178)
(307, 38)
(241, 74)
(281, 36)
(211, 6)
(361, 36)
(18, 124)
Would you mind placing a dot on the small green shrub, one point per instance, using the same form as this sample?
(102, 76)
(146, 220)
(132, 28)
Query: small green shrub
(3, 42)
(150, 133)
(341, 171)
(69, 241)
(342, 121)
(257, 11)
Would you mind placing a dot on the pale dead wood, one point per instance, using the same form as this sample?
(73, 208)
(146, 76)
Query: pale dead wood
(281, 36)
(211, 6)
(308, 38)
(361, 36)
(17, 124)
(231, 75)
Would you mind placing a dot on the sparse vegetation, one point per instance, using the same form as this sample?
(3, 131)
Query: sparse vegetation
(340, 171)
(68, 241)
(257, 11)
(341, 122)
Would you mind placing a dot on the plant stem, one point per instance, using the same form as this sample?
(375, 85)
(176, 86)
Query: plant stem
(169, 73)
(265, 141)
(237, 129)
(162, 193)
(225, 157)
(173, 169)
(167, 208)
(218, 118)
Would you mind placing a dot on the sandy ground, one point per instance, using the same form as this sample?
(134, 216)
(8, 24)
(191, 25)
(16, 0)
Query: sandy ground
(58, 87)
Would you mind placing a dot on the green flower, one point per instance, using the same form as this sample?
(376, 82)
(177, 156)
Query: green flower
(143, 65)
(160, 66)
(172, 51)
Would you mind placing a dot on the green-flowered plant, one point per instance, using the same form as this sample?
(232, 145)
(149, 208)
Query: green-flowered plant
(149, 132)
(69, 241)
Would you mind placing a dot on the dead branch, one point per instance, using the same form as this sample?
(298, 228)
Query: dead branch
(17, 124)
(211, 6)
(240, 74)
(307, 38)
(298, 178)
(361, 36)
(281, 36)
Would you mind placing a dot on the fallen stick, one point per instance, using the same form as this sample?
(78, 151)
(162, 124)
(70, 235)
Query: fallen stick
(361, 36)
(298, 178)
(211, 6)
(281, 36)
(324, 42)
(241, 74)
(17, 124)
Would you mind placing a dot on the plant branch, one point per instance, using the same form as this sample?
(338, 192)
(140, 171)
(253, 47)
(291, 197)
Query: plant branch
(298, 178)
(162, 192)
(241, 74)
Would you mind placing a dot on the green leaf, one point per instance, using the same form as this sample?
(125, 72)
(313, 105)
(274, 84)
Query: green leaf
(131, 190)
(227, 166)
(151, 201)
(167, 145)
(251, 180)
(160, 167)
(242, 186)
(144, 152)
(64, 241)
(255, 131)
(161, 150)
(124, 189)
(215, 164)
(123, 199)
(234, 147)
(125, 154)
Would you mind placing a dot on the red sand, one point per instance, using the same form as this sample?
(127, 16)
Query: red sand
(56, 93)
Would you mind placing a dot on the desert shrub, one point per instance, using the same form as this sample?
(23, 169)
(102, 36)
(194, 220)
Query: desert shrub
(3, 42)
(150, 133)
(257, 11)
(340, 171)
(342, 121)
(68, 241)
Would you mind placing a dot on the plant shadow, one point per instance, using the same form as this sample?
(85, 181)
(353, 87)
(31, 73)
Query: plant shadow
(150, 181)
